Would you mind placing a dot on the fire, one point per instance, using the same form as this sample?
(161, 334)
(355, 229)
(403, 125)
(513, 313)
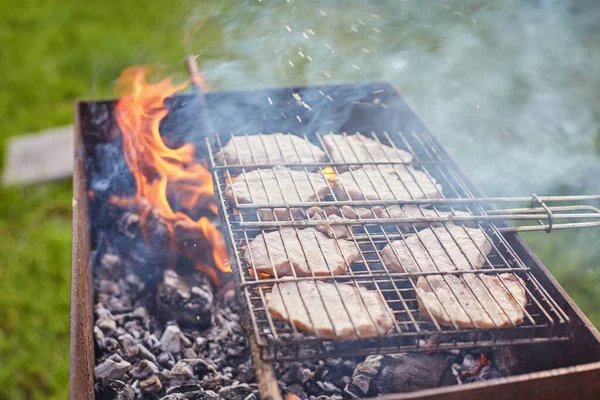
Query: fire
(159, 170)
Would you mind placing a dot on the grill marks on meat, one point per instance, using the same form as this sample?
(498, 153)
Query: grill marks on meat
(270, 149)
(424, 252)
(301, 251)
(340, 311)
(358, 148)
(385, 182)
(483, 301)
(277, 185)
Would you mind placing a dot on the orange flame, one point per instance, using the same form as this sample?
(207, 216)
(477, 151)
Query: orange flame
(159, 169)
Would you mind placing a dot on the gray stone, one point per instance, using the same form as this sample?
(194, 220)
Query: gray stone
(236, 392)
(40, 157)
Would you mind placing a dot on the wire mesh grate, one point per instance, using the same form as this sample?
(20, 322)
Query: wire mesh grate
(370, 223)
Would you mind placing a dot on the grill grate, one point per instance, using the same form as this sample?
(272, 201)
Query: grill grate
(543, 319)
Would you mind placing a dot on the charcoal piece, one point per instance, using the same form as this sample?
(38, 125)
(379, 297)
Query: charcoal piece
(295, 390)
(111, 266)
(98, 337)
(129, 345)
(189, 353)
(110, 344)
(212, 382)
(107, 325)
(151, 385)
(399, 373)
(186, 299)
(110, 389)
(110, 369)
(196, 395)
(143, 369)
(146, 354)
(236, 392)
(182, 374)
(171, 339)
(184, 389)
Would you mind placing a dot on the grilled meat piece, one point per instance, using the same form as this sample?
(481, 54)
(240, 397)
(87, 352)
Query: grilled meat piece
(385, 182)
(277, 185)
(270, 149)
(340, 311)
(463, 249)
(358, 148)
(483, 301)
(299, 250)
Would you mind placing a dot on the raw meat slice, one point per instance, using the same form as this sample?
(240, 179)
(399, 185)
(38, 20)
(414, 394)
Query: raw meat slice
(335, 316)
(358, 148)
(467, 301)
(270, 149)
(306, 250)
(277, 185)
(385, 182)
(423, 251)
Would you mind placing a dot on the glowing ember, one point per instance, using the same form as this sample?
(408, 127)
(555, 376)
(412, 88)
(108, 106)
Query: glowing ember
(158, 169)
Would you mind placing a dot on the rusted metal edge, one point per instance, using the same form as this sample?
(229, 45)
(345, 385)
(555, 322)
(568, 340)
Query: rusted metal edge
(81, 373)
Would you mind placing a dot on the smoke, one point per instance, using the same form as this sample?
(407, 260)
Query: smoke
(509, 87)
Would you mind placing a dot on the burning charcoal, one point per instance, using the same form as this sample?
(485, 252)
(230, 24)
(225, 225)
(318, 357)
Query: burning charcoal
(111, 369)
(398, 373)
(109, 389)
(129, 345)
(237, 392)
(475, 368)
(188, 300)
(151, 385)
(171, 340)
(143, 369)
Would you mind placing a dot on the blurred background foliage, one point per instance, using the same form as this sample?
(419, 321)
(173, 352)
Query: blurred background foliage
(507, 84)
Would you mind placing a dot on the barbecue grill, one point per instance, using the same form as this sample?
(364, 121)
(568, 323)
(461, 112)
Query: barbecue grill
(554, 336)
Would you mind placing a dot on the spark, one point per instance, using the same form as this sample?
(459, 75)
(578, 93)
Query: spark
(376, 100)
(384, 105)
(321, 93)
(309, 58)
(354, 28)
(310, 31)
(356, 67)
(270, 101)
(308, 107)
(376, 16)
(298, 118)
(360, 21)
(377, 91)
(377, 30)
(365, 50)
(327, 74)
(288, 28)
(291, 63)
(328, 46)
(305, 35)
(329, 97)
(283, 115)
(322, 12)
(301, 54)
